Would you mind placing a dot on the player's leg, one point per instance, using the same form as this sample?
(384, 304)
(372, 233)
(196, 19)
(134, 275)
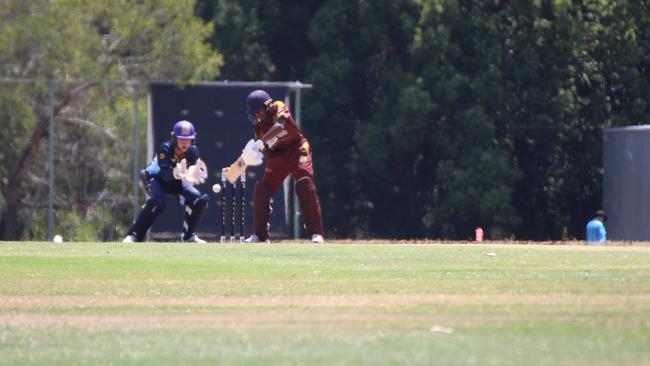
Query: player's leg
(195, 205)
(262, 193)
(151, 209)
(308, 197)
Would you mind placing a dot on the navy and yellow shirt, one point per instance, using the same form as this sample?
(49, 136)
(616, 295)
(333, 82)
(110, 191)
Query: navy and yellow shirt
(163, 164)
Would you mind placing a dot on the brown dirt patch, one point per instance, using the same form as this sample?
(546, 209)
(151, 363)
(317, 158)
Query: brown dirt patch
(293, 319)
(370, 300)
(348, 312)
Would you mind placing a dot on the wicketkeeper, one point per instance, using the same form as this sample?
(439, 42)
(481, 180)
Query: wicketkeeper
(175, 169)
(288, 152)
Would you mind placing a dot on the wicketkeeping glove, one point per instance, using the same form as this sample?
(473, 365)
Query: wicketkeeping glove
(180, 169)
(197, 173)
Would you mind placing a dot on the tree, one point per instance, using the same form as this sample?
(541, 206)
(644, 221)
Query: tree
(45, 39)
(429, 117)
(240, 37)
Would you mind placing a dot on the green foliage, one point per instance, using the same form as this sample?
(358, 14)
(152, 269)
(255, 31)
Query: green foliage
(116, 40)
(16, 117)
(261, 40)
(238, 34)
(428, 117)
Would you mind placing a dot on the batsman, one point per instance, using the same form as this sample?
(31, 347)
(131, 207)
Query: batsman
(169, 174)
(287, 150)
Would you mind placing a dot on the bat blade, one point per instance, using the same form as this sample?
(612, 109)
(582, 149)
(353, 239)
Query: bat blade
(235, 169)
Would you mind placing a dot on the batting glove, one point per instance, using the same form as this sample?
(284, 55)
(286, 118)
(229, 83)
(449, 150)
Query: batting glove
(251, 154)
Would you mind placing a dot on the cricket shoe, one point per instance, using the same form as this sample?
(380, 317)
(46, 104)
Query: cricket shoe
(317, 238)
(193, 239)
(130, 239)
(256, 239)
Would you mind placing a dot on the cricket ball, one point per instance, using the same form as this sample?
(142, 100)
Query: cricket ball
(216, 188)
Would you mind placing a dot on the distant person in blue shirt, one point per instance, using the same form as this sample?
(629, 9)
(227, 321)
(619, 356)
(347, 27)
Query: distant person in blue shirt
(596, 233)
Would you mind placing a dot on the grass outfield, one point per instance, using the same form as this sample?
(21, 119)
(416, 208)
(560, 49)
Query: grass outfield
(335, 304)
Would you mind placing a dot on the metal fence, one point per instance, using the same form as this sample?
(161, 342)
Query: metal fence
(94, 150)
(86, 164)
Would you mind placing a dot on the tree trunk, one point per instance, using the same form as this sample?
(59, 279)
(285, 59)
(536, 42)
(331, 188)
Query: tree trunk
(10, 219)
(13, 189)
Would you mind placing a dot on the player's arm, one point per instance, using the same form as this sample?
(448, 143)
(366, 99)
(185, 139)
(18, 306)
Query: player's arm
(278, 129)
(273, 134)
(161, 166)
(193, 155)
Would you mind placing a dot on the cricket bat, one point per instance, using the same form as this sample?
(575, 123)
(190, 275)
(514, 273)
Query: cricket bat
(235, 169)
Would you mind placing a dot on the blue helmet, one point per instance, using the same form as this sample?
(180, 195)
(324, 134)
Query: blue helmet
(184, 130)
(255, 101)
